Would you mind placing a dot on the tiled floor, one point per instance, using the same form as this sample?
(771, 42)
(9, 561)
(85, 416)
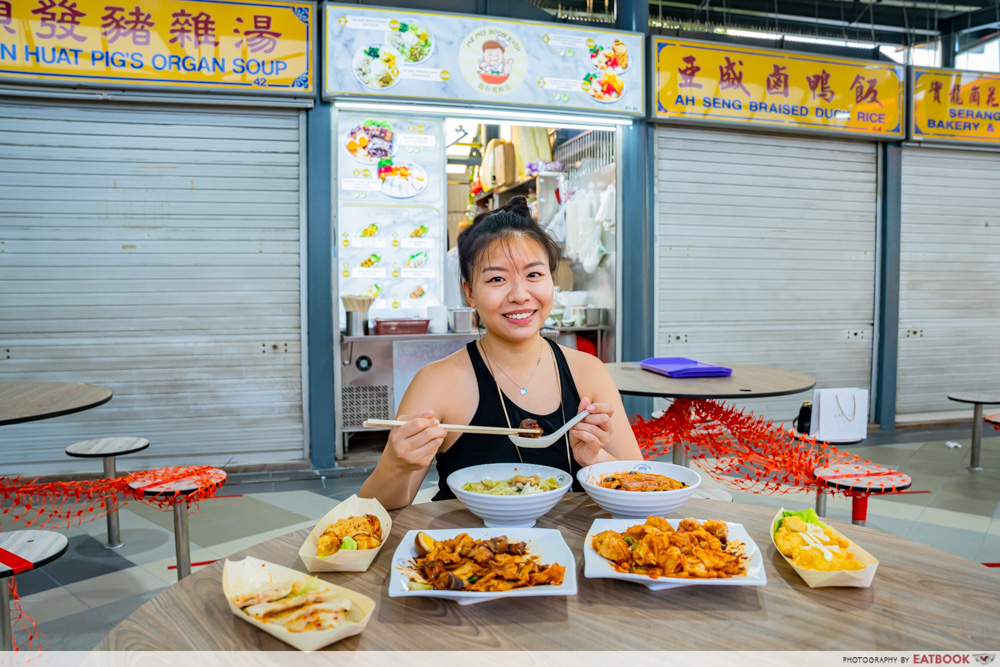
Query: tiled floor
(77, 599)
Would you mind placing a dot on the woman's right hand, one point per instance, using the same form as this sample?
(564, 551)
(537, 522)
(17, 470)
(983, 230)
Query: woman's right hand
(413, 445)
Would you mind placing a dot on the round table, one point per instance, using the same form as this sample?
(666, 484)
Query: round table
(921, 599)
(20, 551)
(28, 401)
(978, 399)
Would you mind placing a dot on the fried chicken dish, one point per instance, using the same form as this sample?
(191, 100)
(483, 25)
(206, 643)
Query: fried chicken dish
(354, 532)
(657, 549)
(493, 565)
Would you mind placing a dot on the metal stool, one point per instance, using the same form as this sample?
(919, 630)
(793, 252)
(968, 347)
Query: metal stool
(178, 490)
(20, 551)
(863, 480)
(108, 449)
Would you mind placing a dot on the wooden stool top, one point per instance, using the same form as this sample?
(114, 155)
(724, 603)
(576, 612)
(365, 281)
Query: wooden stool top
(868, 477)
(107, 447)
(152, 484)
(22, 550)
(982, 397)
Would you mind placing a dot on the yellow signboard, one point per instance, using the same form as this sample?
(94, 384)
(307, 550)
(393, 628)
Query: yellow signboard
(724, 83)
(249, 45)
(949, 105)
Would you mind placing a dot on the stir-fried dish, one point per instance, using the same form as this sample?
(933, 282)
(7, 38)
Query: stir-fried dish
(639, 481)
(518, 485)
(465, 564)
(295, 606)
(354, 532)
(813, 545)
(691, 551)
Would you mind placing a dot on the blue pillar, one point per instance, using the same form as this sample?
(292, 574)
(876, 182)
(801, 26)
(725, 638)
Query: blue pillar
(888, 315)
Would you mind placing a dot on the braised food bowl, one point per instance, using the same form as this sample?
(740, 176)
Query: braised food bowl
(518, 510)
(638, 504)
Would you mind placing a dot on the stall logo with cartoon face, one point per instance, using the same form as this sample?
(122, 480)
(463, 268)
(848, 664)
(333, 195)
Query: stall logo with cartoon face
(493, 60)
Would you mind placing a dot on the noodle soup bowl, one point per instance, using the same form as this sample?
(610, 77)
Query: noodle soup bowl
(517, 510)
(638, 504)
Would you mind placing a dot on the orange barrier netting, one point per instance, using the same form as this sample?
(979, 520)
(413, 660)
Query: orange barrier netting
(745, 452)
(67, 504)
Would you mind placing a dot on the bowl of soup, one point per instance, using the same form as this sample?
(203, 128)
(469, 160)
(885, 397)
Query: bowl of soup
(509, 494)
(637, 489)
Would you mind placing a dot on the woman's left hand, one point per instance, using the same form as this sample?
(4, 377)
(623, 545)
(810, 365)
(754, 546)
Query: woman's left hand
(590, 436)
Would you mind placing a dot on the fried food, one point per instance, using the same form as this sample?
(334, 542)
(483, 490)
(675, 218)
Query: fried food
(639, 481)
(529, 424)
(657, 549)
(814, 546)
(493, 565)
(297, 607)
(355, 532)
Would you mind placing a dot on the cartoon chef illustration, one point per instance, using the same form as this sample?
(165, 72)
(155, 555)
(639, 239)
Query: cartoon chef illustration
(493, 68)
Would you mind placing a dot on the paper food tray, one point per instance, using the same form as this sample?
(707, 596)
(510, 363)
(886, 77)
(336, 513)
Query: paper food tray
(250, 574)
(345, 560)
(848, 578)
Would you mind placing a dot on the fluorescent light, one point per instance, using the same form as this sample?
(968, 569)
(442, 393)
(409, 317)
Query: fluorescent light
(529, 118)
(455, 168)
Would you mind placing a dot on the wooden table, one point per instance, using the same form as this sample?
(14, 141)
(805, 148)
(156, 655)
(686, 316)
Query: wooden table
(28, 401)
(978, 400)
(922, 599)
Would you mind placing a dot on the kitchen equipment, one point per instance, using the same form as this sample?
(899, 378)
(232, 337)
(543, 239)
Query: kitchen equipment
(438, 316)
(594, 317)
(463, 320)
(390, 327)
(357, 323)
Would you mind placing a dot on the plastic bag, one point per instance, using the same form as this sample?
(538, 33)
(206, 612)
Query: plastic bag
(592, 249)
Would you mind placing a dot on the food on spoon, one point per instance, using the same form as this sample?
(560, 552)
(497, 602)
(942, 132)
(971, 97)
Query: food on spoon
(371, 260)
(369, 231)
(296, 606)
(518, 485)
(493, 565)
(639, 481)
(656, 549)
(349, 534)
(529, 424)
(813, 545)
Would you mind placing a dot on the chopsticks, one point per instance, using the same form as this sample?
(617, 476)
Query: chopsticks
(458, 428)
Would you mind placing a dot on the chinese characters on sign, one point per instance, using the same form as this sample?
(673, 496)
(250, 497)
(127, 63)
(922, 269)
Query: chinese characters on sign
(955, 106)
(728, 84)
(251, 45)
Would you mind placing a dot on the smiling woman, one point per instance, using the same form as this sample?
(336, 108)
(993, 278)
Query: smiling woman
(506, 263)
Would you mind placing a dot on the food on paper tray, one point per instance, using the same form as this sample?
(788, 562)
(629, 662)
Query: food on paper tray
(295, 606)
(371, 141)
(413, 42)
(656, 549)
(370, 231)
(813, 545)
(371, 260)
(376, 67)
(351, 533)
(491, 565)
(639, 481)
(518, 485)
(614, 59)
(607, 88)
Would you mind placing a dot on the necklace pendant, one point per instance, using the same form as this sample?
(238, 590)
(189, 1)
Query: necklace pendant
(524, 390)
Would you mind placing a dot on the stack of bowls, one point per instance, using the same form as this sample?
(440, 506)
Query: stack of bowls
(519, 510)
(638, 504)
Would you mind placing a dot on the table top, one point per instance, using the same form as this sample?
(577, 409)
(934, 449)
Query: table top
(984, 397)
(745, 382)
(37, 547)
(107, 447)
(870, 477)
(921, 599)
(28, 401)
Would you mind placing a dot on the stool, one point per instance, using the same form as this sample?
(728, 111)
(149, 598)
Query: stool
(108, 449)
(993, 420)
(177, 491)
(863, 480)
(20, 551)
(978, 400)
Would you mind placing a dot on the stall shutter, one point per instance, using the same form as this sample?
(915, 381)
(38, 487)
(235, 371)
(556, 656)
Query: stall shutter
(154, 251)
(949, 309)
(766, 254)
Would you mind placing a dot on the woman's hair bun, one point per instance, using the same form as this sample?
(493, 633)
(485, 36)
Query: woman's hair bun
(519, 205)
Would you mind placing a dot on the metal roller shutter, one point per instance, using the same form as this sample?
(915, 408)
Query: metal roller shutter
(766, 254)
(949, 309)
(155, 251)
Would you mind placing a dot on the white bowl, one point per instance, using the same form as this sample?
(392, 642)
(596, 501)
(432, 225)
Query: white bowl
(638, 504)
(521, 511)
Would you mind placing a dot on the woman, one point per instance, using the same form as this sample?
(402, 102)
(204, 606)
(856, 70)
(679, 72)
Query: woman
(506, 262)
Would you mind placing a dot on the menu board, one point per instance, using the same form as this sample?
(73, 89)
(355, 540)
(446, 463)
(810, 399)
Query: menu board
(391, 212)
(452, 57)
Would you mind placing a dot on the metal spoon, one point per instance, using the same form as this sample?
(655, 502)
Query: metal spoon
(545, 441)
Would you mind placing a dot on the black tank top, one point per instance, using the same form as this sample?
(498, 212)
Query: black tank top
(472, 449)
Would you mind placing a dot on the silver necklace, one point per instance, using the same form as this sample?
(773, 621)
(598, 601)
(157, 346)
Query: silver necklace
(524, 388)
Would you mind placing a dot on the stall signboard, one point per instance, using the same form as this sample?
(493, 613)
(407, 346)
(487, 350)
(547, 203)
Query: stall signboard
(955, 106)
(454, 58)
(737, 85)
(391, 212)
(250, 46)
